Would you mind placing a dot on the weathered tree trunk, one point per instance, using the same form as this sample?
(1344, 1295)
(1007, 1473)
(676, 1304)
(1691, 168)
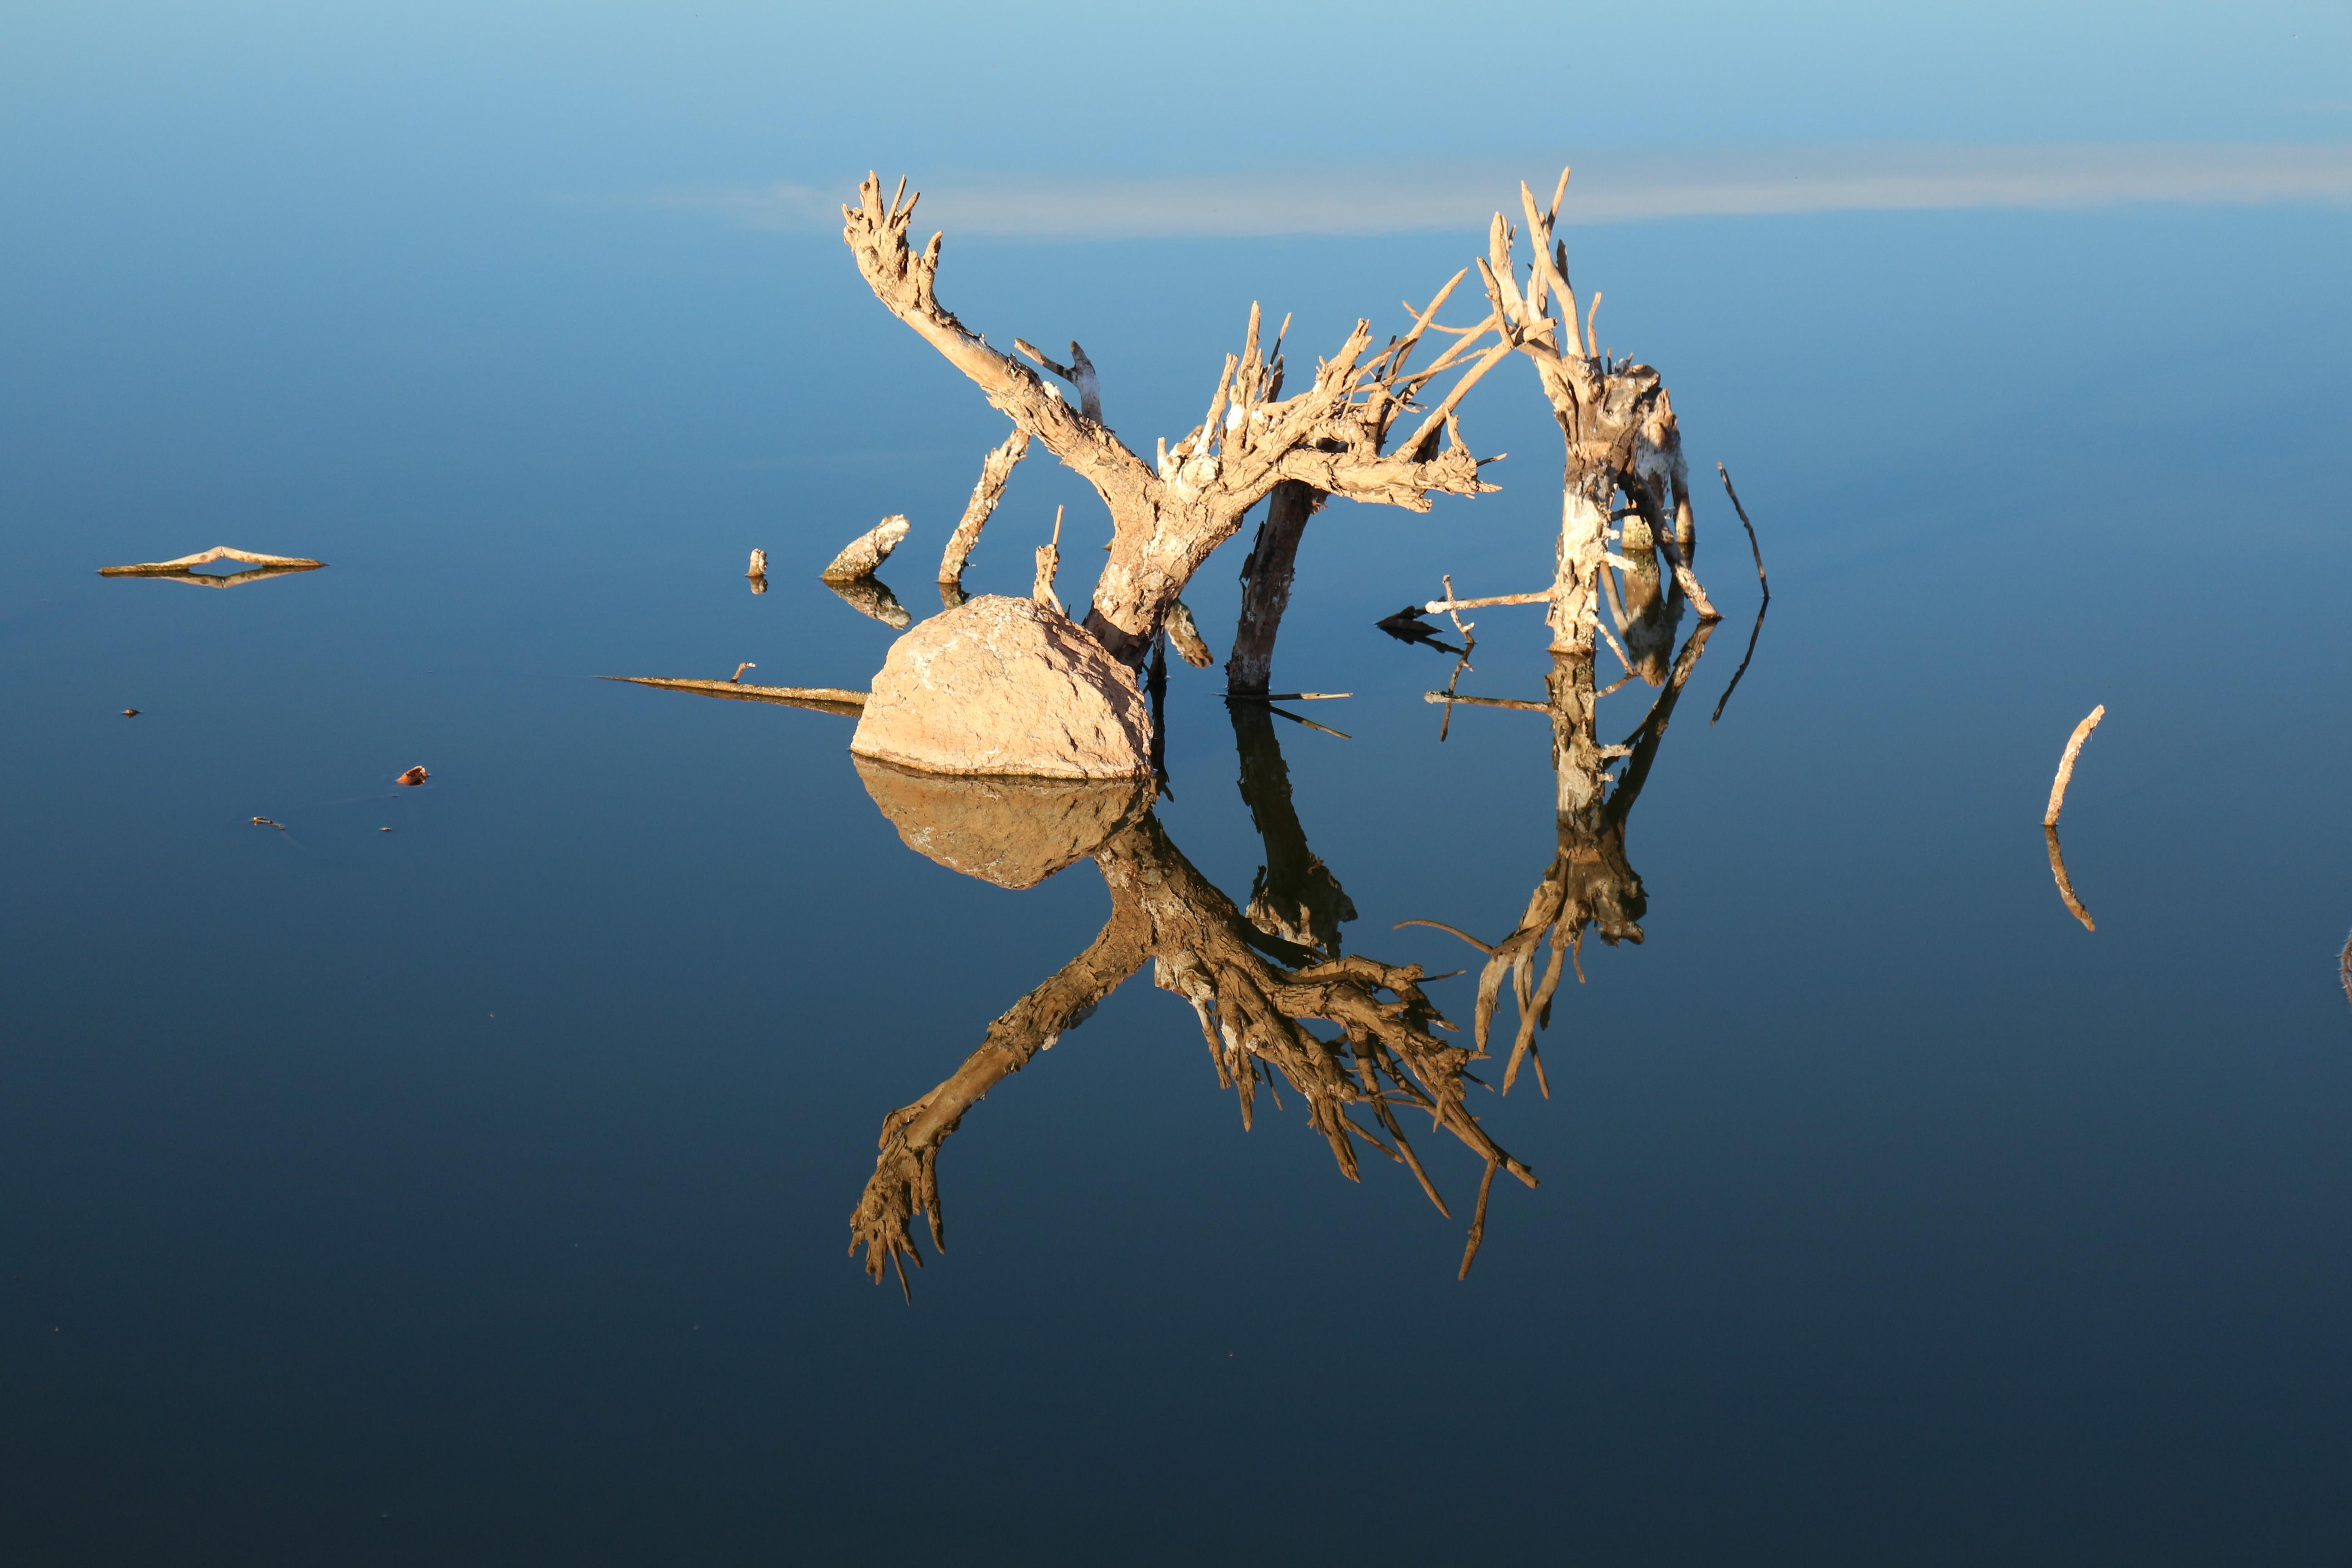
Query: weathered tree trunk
(1265, 585)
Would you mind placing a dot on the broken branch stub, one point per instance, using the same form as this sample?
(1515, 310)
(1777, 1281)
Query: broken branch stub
(995, 470)
(1339, 433)
(863, 554)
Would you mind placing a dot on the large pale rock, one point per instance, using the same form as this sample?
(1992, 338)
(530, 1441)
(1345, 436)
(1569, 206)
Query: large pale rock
(1013, 832)
(1006, 686)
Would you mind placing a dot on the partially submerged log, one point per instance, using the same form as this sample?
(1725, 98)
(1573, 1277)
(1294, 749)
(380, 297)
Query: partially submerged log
(206, 558)
(824, 699)
(864, 555)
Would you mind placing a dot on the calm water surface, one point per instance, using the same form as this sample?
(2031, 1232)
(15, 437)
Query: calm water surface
(477, 1191)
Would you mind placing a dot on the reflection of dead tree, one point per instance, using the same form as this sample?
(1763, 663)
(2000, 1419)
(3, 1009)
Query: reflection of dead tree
(1294, 895)
(906, 1180)
(1621, 439)
(1339, 436)
(1253, 994)
(1589, 884)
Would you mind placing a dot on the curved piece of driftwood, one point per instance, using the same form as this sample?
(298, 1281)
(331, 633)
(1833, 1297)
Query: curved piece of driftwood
(825, 699)
(206, 558)
(2066, 764)
(862, 555)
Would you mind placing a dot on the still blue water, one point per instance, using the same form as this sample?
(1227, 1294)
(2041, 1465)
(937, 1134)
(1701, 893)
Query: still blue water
(477, 1191)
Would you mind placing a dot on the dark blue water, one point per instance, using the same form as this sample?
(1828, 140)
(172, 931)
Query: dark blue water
(477, 1191)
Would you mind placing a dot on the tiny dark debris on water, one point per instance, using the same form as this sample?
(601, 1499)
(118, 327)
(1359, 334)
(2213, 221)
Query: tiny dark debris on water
(265, 822)
(413, 776)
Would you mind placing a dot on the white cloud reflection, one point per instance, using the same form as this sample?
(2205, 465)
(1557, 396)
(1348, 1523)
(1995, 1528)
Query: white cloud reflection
(1611, 186)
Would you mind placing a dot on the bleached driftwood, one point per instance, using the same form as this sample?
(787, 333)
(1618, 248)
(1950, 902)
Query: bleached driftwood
(1049, 564)
(1342, 435)
(758, 567)
(995, 469)
(183, 570)
(2066, 764)
(1618, 424)
(825, 699)
(863, 554)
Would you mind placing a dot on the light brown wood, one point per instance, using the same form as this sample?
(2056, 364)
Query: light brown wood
(2066, 764)
(1345, 434)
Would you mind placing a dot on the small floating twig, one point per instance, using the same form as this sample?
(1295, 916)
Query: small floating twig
(1285, 696)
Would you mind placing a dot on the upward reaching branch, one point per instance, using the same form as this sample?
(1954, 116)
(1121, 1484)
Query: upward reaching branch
(1340, 434)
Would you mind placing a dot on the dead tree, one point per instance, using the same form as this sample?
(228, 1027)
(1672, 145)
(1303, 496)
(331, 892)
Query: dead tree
(1360, 430)
(1253, 994)
(1622, 439)
(1589, 884)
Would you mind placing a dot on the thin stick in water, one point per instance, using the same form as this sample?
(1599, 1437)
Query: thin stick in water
(2067, 764)
(1753, 548)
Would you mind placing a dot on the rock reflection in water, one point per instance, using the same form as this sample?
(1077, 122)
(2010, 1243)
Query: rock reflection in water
(1253, 981)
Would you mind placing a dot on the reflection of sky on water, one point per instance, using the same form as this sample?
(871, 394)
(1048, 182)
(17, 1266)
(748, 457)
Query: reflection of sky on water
(477, 1191)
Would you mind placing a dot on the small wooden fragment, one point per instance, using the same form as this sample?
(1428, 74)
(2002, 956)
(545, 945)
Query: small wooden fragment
(739, 669)
(758, 567)
(1049, 563)
(2066, 764)
(204, 558)
(413, 776)
(863, 554)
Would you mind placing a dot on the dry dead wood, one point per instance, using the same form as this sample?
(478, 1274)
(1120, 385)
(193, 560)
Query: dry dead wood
(825, 699)
(206, 558)
(862, 555)
(1362, 429)
(1619, 428)
(1267, 576)
(2066, 764)
(995, 471)
(1253, 994)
